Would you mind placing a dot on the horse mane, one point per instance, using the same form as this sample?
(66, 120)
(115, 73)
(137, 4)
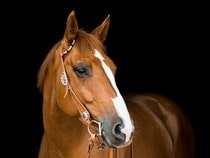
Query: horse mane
(85, 42)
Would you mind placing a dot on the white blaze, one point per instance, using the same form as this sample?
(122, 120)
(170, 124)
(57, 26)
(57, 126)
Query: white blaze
(118, 101)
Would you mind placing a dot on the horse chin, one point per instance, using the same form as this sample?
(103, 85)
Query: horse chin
(113, 142)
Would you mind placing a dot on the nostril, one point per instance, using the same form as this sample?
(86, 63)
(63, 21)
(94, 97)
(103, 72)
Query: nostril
(118, 133)
(117, 129)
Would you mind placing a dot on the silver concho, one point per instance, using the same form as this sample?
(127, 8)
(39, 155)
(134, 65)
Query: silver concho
(64, 79)
(85, 115)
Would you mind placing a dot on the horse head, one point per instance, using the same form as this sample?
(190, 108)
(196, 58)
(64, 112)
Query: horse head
(83, 79)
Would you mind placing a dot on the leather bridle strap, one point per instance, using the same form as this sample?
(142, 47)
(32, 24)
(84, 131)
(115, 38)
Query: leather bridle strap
(85, 115)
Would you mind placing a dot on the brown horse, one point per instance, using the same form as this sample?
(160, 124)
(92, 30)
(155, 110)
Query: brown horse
(84, 114)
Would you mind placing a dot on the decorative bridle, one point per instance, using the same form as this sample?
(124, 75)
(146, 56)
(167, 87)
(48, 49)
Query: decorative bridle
(84, 113)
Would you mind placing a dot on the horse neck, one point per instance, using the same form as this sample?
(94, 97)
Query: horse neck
(61, 130)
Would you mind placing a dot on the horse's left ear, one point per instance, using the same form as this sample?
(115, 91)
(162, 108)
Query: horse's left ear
(71, 27)
(101, 31)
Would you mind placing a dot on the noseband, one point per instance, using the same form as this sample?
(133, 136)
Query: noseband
(84, 113)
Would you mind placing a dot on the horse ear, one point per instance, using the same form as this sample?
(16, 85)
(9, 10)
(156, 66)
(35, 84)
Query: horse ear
(101, 31)
(71, 27)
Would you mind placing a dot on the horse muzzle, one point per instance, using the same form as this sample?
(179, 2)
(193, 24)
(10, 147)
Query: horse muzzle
(115, 136)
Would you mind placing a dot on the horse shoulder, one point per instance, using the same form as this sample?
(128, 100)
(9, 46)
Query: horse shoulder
(161, 126)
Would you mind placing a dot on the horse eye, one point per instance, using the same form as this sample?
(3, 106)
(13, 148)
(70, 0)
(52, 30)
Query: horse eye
(82, 71)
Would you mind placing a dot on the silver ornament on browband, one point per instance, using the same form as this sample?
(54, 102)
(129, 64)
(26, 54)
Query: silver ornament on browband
(64, 79)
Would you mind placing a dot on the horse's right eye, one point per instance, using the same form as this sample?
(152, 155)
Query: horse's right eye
(82, 71)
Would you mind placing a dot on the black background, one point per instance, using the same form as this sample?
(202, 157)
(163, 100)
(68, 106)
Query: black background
(156, 47)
